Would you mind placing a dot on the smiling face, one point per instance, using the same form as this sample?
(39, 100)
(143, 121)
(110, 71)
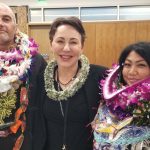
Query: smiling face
(67, 46)
(7, 26)
(135, 68)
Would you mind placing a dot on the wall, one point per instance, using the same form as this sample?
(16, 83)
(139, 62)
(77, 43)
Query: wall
(105, 40)
(21, 17)
(40, 33)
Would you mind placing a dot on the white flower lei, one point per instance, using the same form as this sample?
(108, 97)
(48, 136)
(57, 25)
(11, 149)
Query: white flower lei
(72, 88)
(21, 54)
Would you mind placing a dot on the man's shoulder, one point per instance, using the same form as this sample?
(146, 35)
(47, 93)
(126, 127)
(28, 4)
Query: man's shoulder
(38, 63)
(38, 59)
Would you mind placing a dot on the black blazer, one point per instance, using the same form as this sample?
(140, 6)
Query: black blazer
(35, 121)
(92, 90)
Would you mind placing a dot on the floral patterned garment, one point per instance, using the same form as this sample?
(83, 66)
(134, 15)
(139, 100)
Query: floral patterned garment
(123, 118)
(108, 136)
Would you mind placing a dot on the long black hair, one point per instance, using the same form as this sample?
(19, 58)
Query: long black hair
(141, 48)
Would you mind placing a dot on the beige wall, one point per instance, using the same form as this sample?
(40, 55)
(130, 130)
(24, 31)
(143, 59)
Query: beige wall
(104, 40)
(21, 17)
(40, 33)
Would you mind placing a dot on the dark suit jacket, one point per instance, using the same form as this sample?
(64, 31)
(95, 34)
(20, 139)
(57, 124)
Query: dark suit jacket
(92, 91)
(34, 115)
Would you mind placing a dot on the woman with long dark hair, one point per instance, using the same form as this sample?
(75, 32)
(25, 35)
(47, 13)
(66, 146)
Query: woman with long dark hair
(123, 119)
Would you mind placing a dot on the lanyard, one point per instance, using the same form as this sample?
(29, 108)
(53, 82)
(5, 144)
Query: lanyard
(65, 115)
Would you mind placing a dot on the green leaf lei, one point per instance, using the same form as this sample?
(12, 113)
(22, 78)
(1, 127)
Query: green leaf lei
(7, 103)
(52, 93)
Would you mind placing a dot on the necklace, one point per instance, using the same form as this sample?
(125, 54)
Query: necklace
(65, 84)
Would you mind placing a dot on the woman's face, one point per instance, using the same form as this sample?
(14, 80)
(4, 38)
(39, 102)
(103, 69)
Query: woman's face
(67, 46)
(135, 68)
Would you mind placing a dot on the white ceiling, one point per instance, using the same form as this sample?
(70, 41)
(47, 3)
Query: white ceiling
(71, 3)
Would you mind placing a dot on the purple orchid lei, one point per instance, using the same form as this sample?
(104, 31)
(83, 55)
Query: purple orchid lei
(127, 101)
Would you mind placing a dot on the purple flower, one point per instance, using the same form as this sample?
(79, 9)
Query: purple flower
(123, 100)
